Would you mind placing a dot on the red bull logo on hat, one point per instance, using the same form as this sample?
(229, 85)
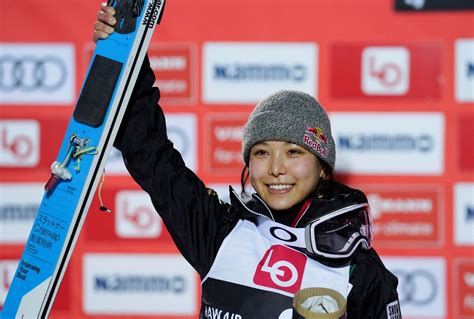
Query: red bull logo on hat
(318, 133)
(315, 138)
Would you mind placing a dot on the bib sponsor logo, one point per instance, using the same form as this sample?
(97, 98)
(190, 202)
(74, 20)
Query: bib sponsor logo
(283, 234)
(281, 268)
(215, 313)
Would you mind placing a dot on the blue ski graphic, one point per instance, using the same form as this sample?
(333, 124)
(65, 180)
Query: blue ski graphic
(85, 148)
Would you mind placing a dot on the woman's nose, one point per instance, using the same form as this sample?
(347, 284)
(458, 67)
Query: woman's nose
(277, 165)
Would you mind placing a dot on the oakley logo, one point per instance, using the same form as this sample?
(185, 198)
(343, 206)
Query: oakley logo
(281, 268)
(417, 287)
(30, 73)
(283, 234)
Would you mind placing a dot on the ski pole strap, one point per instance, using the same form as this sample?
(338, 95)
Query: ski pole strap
(319, 303)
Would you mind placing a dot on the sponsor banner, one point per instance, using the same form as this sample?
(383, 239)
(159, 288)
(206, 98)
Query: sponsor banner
(421, 285)
(464, 70)
(182, 131)
(246, 72)
(175, 71)
(422, 5)
(19, 203)
(464, 288)
(406, 216)
(403, 71)
(465, 150)
(19, 143)
(464, 214)
(225, 133)
(30, 145)
(37, 73)
(133, 216)
(139, 284)
(389, 143)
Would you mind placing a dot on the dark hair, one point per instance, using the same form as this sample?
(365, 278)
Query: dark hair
(244, 177)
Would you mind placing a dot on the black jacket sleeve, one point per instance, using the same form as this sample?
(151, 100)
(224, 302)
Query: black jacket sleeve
(198, 222)
(374, 292)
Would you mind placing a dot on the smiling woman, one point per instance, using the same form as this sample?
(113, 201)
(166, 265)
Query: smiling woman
(282, 173)
(299, 230)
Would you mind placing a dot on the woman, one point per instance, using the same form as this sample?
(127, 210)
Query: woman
(301, 229)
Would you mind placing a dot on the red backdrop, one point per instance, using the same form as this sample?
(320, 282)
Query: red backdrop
(405, 76)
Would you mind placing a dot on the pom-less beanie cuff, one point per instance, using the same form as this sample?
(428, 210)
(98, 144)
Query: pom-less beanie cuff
(291, 116)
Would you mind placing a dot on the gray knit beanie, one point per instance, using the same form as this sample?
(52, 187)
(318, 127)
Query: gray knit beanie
(291, 116)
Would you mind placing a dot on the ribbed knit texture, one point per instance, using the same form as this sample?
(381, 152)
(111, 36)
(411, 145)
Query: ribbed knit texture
(291, 116)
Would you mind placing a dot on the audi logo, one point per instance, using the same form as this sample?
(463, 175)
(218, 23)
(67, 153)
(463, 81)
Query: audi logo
(417, 287)
(29, 73)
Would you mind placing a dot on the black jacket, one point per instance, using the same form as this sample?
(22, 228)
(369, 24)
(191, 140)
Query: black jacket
(199, 222)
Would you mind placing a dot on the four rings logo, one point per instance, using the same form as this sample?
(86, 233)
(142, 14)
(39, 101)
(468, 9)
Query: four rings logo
(281, 268)
(19, 143)
(37, 73)
(30, 73)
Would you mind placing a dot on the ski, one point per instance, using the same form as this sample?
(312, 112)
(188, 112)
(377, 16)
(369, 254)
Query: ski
(75, 174)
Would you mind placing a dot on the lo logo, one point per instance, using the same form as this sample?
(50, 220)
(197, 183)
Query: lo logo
(281, 268)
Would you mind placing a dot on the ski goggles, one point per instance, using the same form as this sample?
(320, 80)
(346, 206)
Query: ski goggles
(339, 233)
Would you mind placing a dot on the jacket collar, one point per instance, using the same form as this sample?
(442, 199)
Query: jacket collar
(254, 207)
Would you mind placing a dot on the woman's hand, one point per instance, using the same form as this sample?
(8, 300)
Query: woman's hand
(103, 26)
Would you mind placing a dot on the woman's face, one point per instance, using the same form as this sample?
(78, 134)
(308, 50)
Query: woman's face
(283, 174)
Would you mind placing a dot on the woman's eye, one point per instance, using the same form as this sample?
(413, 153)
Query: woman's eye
(295, 152)
(259, 153)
